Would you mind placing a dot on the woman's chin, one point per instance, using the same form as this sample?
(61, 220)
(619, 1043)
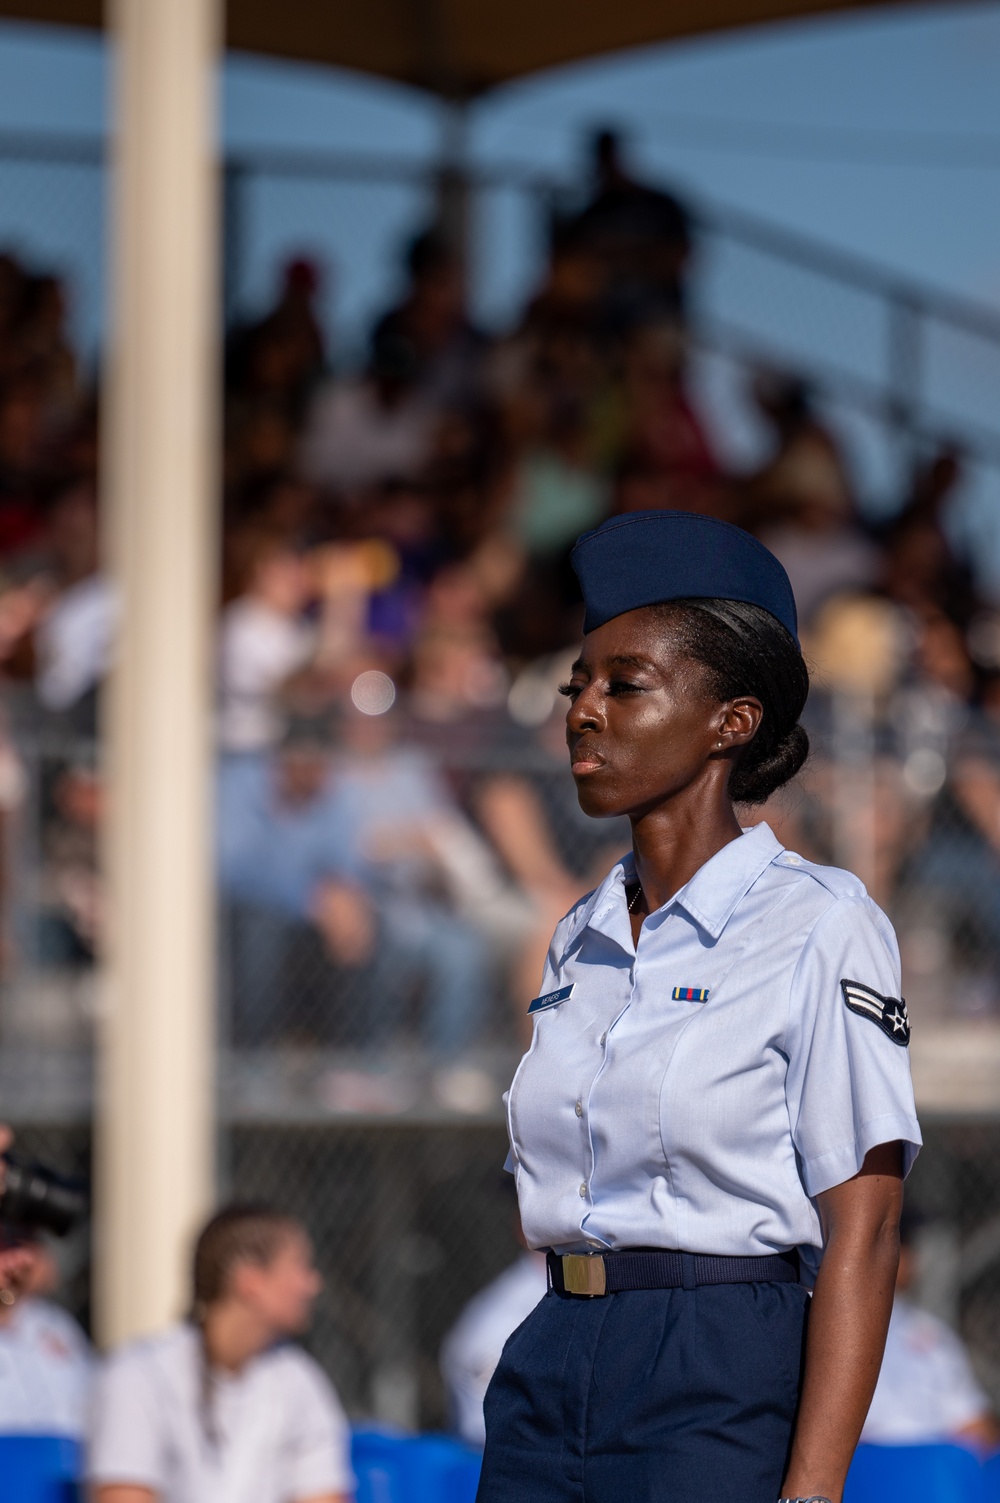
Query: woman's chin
(598, 803)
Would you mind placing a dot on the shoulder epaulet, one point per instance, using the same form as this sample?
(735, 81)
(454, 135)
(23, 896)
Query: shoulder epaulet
(837, 881)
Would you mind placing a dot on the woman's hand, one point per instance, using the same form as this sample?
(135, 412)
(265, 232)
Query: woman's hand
(848, 1321)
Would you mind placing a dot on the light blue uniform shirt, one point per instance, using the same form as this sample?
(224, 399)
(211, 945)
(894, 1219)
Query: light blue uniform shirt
(638, 1119)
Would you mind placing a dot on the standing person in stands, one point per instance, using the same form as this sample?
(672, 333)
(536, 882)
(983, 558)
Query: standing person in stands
(715, 1111)
(638, 237)
(224, 1406)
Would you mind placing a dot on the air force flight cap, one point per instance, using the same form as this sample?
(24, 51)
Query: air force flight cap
(648, 557)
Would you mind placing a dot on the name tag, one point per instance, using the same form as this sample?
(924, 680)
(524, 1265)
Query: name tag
(552, 999)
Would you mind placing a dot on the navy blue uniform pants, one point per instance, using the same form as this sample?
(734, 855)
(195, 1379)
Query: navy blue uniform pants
(649, 1396)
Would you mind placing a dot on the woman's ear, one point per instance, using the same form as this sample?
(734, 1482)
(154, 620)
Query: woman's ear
(740, 721)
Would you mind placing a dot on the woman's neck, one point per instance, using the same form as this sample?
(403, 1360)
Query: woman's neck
(672, 841)
(233, 1335)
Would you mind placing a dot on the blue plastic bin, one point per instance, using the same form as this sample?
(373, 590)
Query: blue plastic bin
(414, 1468)
(39, 1469)
(916, 1474)
(991, 1478)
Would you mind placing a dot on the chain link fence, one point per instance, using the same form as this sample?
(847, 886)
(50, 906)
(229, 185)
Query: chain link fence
(399, 1182)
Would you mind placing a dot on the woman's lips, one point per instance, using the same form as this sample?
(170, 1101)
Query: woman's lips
(585, 763)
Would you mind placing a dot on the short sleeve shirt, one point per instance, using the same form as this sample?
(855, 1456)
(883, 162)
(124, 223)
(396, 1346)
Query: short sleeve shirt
(275, 1433)
(699, 1090)
(45, 1371)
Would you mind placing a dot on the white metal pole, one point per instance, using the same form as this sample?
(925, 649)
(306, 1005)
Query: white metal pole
(155, 1133)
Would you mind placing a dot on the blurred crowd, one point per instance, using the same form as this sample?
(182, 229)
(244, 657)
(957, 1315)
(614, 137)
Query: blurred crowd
(397, 609)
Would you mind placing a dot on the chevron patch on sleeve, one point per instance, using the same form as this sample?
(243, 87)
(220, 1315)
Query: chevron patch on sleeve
(889, 1013)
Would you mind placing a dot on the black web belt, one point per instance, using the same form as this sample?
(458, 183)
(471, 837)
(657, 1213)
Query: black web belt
(594, 1274)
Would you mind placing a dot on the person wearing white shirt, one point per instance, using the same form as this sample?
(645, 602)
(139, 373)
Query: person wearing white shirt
(715, 1114)
(46, 1365)
(263, 642)
(223, 1409)
(75, 641)
(473, 1347)
(927, 1391)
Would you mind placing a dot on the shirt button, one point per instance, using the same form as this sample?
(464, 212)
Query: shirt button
(583, 1191)
(603, 1039)
(579, 1108)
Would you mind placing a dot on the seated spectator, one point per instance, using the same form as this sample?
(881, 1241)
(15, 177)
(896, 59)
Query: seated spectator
(70, 919)
(224, 1405)
(800, 503)
(402, 532)
(324, 868)
(556, 493)
(663, 437)
(430, 865)
(548, 845)
(471, 1350)
(957, 865)
(45, 1359)
(921, 568)
(927, 1390)
(44, 351)
(432, 322)
(75, 638)
(283, 354)
(60, 618)
(263, 640)
(361, 433)
(294, 906)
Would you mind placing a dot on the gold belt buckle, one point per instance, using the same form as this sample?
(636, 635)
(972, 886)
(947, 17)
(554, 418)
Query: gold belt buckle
(584, 1273)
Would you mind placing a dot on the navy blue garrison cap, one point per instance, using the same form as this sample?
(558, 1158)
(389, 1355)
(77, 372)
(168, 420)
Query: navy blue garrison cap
(647, 557)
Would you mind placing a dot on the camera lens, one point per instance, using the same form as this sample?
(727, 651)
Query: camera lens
(36, 1196)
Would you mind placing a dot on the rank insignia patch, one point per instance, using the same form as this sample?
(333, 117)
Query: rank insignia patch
(690, 994)
(888, 1012)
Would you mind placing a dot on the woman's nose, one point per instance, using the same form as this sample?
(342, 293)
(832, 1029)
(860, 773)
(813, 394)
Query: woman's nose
(586, 713)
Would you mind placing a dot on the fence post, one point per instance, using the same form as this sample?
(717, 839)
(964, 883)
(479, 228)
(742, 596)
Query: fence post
(905, 376)
(234, 184)
(155, 1085)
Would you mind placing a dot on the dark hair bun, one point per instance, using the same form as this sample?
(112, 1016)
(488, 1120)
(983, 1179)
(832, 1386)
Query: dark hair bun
(753, 781)
(746, 650)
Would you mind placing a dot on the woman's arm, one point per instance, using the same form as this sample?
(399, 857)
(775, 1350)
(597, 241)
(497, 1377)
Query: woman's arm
(122, 1492)
(848, 1321)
